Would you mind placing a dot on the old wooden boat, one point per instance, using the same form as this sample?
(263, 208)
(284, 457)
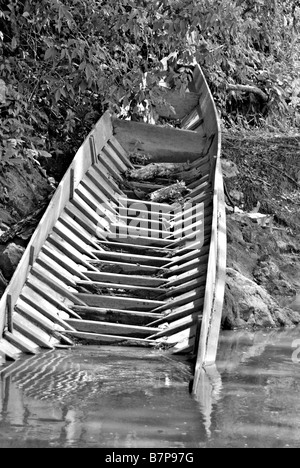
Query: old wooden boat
(114, 262)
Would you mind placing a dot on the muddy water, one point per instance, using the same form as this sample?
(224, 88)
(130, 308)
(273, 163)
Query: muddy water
(131, 398)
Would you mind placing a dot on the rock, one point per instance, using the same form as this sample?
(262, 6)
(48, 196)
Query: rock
(295, 305)
(247, 304)
(10, 256)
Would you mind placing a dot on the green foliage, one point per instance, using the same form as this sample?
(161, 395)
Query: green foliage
(63, 62)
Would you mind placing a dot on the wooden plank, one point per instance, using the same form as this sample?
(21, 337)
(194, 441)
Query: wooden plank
(127, 279)
(106, 328)
(115, 144)
(190, 296)
(59, 272)
(176, 327)
(102, 132)
(55, 284)
(165, 144)
(179, 312)
(125, 268)
(104, 210)
(130, 258)
(68, 250)
(34, 333)
(121, 286)
(50, 311)
(176, 105)
(186, 286)
(127, 317)
(140, 240)
(9, 350)
(190, 255)
(116, 302)
(189, 275)
(92, 214)
(40, 320)
(68, 264)
(148, 250)
(73, 239)
(79, 231)
(48, 293)
(21, 342)
(112, 339)
(108, 207)
(111, 191)
(113, 164)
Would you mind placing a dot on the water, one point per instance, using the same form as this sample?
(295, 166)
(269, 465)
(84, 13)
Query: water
(130, 398)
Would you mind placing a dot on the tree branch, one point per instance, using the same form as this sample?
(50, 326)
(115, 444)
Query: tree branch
(247, 89)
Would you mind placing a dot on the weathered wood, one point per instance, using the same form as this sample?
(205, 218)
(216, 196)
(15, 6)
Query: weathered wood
(106, 328)
(126, 317)
(126, 279)
(130, 258)
(177, 326)
(38, 302)
(123, 286)
(111, 339)
(165, 144)
(179, 312)
(125, 268)
(21, 342)
(34, 333)
(135, 248)
(120, 151)
(129, 303)
(9, 350)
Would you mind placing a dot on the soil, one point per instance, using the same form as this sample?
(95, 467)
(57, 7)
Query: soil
(263, 277)
(262, 174)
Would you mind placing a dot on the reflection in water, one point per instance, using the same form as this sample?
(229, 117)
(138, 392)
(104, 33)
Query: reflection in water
(98, 397)
(101, 397)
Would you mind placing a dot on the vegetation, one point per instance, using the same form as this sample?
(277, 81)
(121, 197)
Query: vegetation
(63, 62)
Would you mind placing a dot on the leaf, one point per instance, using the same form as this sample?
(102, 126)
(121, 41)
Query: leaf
(14, 43)
(50, 54)
(3, 90)
(45, 154)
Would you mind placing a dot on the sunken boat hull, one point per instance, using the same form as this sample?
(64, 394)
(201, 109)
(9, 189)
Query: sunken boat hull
(132, 248)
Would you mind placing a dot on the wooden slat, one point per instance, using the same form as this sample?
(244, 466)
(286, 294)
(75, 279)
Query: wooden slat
(78, 230)
(125, 268)
(118, 302)
(72, 239)
(50, 295)
(176, 327)
(179, 312)
(130, 258)
(38, 302)
(35, 334)
(103, 185)
(66, 249)
(112, 162)
(59, 272)
(165, 144)
(121, 286)
(65, 262)
(105, 216)
(9, 350)
(181, 300)
(126, 279)
(55, 284)
(107, 328)
(118, 148)
(140, 240)
(186, 286)
(37, 318)
(21, 342)
(127, 317)
(112, 339)
(147, 250)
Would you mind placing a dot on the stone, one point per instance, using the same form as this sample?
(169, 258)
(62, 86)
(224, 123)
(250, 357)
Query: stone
(10, 257)
(248, 304)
